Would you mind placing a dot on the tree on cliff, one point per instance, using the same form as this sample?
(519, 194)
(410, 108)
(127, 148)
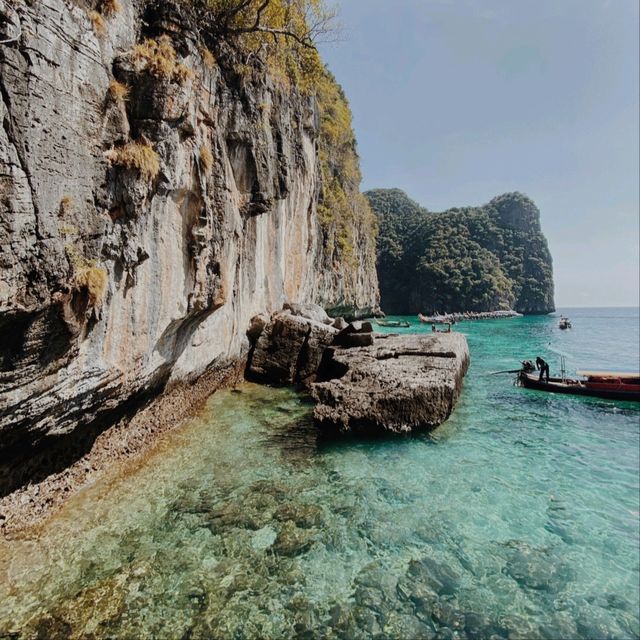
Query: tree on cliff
(302, 21)
(470, 259)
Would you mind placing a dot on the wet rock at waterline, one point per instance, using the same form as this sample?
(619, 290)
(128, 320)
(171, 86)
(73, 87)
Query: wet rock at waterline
(397, 384)
(369, 382)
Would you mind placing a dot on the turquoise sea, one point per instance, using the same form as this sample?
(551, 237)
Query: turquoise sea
(518, 518)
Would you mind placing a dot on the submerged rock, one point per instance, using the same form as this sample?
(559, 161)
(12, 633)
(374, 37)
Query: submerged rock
(535, 568)
(304, 516)
(447, 615)
(435, 575)
(398, 384)
(233, 515)
(263, 538)
(519, 628)
(400, 625)
(293, 541)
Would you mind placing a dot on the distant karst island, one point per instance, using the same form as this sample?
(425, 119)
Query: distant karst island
(482, 258)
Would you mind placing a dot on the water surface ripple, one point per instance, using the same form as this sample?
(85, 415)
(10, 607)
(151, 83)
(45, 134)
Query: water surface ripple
(518, 518)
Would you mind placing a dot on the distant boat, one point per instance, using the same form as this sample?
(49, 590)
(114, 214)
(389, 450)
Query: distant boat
(565, 323)
(612, 385)
(393, 323)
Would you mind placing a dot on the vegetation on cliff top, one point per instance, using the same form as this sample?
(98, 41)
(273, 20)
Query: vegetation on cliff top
(471, 259)
(344, 212)
(281, 34)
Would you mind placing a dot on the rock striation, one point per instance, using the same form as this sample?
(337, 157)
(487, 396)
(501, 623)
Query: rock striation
(398, 384)
(154, 197)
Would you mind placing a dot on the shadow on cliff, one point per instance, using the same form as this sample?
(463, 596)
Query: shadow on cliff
(27, 462)
(24, 463)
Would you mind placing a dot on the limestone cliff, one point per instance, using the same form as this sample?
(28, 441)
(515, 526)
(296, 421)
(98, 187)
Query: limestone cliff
(158, 188)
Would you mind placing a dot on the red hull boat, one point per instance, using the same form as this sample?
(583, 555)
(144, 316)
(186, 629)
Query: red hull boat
(611, 385)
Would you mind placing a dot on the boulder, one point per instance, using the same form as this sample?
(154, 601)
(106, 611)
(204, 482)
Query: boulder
(398, 384)
(290, 349)
(359, 327)
(355, 334)
(256, 326)
(310, 311)
(340, 323)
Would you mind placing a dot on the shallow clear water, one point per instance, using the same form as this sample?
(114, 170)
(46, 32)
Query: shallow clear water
(518, 518)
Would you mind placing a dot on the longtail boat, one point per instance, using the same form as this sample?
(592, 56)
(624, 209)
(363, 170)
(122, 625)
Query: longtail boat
(565, 323)
(612, 385)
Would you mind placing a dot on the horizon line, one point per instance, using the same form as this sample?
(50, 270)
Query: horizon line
(599, 306)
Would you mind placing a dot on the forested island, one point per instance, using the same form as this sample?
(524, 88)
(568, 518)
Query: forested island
(483, 258)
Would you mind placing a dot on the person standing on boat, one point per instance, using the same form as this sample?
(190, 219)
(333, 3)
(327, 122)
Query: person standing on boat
(544, 368)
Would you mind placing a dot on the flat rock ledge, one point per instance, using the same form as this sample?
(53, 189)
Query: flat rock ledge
(399, 384)
(362, 382)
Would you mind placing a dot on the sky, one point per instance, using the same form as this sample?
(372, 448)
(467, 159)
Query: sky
(457, 101)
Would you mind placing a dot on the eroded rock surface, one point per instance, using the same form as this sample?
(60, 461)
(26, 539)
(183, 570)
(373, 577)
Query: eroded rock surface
(398, 384)
(182, 260)
(290, 349)
(368, 382)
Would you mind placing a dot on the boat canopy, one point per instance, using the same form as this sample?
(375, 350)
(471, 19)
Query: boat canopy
(592, 373)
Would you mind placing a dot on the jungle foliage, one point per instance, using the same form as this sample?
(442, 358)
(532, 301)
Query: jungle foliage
(465, 259)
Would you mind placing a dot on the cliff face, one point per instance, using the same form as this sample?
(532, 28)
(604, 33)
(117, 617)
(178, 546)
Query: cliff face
(153, 198)
(473, 259)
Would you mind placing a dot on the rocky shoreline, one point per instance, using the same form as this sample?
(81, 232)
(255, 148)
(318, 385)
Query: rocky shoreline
(461, 316)
(130, 438)
(362, 382)
(151, 214)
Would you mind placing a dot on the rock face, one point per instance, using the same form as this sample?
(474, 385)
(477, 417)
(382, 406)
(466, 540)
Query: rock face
(146, 217)
(290, 349)
(466, 259)
(398, 384)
